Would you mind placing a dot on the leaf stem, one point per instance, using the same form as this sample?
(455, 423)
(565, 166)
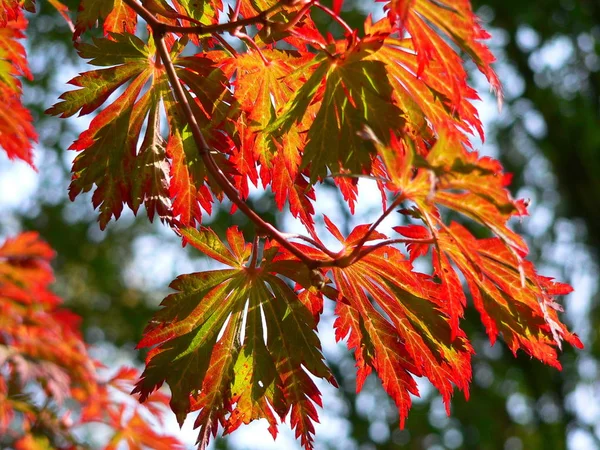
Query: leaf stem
(255, 244)
(236, 10)
(335, 17)
(251, 44)
(354, 256)
(366, 250)
(314, 242)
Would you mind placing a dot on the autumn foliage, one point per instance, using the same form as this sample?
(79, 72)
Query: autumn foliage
(43, 355)
(217, 99)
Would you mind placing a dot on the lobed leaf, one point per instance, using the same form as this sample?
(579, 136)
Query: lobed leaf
(396, 324)
(424, 19)
(355, 94)
(116, 15)
(16, 128)
(199, 351)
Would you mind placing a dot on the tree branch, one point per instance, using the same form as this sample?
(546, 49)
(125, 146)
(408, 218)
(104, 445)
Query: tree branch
(161, 27)
(158, 30)
(354, 256)
(209, 162)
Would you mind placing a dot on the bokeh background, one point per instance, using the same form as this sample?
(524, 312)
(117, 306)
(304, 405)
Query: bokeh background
(547, 134)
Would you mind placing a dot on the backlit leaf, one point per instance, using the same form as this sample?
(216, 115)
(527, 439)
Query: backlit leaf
(230, 380)
(16, 128)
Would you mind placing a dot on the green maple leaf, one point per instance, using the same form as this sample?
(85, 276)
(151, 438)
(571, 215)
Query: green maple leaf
(127, 170)
(200, 354)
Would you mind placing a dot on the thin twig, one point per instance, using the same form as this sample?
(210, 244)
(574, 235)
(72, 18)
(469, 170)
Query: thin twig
(366, 250)
(255, 243)
(250, 43)
(236, 10)
(335, 17)
(315, 243)
(353, 256)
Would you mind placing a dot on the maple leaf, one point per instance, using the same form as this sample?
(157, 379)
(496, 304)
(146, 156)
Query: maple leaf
(139, 173)
(110, 142)
(452, 177)
(510, 296)
(426, 97)
(476, 187)
(16, 128)
(414, 335)
(233, 381)
(353, 93)
(508, 293)
(117, 16)
(454, 18)
(449, 175)
(261, 91)
(121, 19)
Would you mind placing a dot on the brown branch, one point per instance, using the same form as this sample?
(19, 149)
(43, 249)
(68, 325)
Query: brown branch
(205, 153)
(161, 27)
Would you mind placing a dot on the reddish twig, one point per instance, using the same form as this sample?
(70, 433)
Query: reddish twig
(366, 250)
(356, 252)
(335, 17)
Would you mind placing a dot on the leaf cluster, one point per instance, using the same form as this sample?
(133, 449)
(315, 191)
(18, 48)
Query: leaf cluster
(46, 365)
